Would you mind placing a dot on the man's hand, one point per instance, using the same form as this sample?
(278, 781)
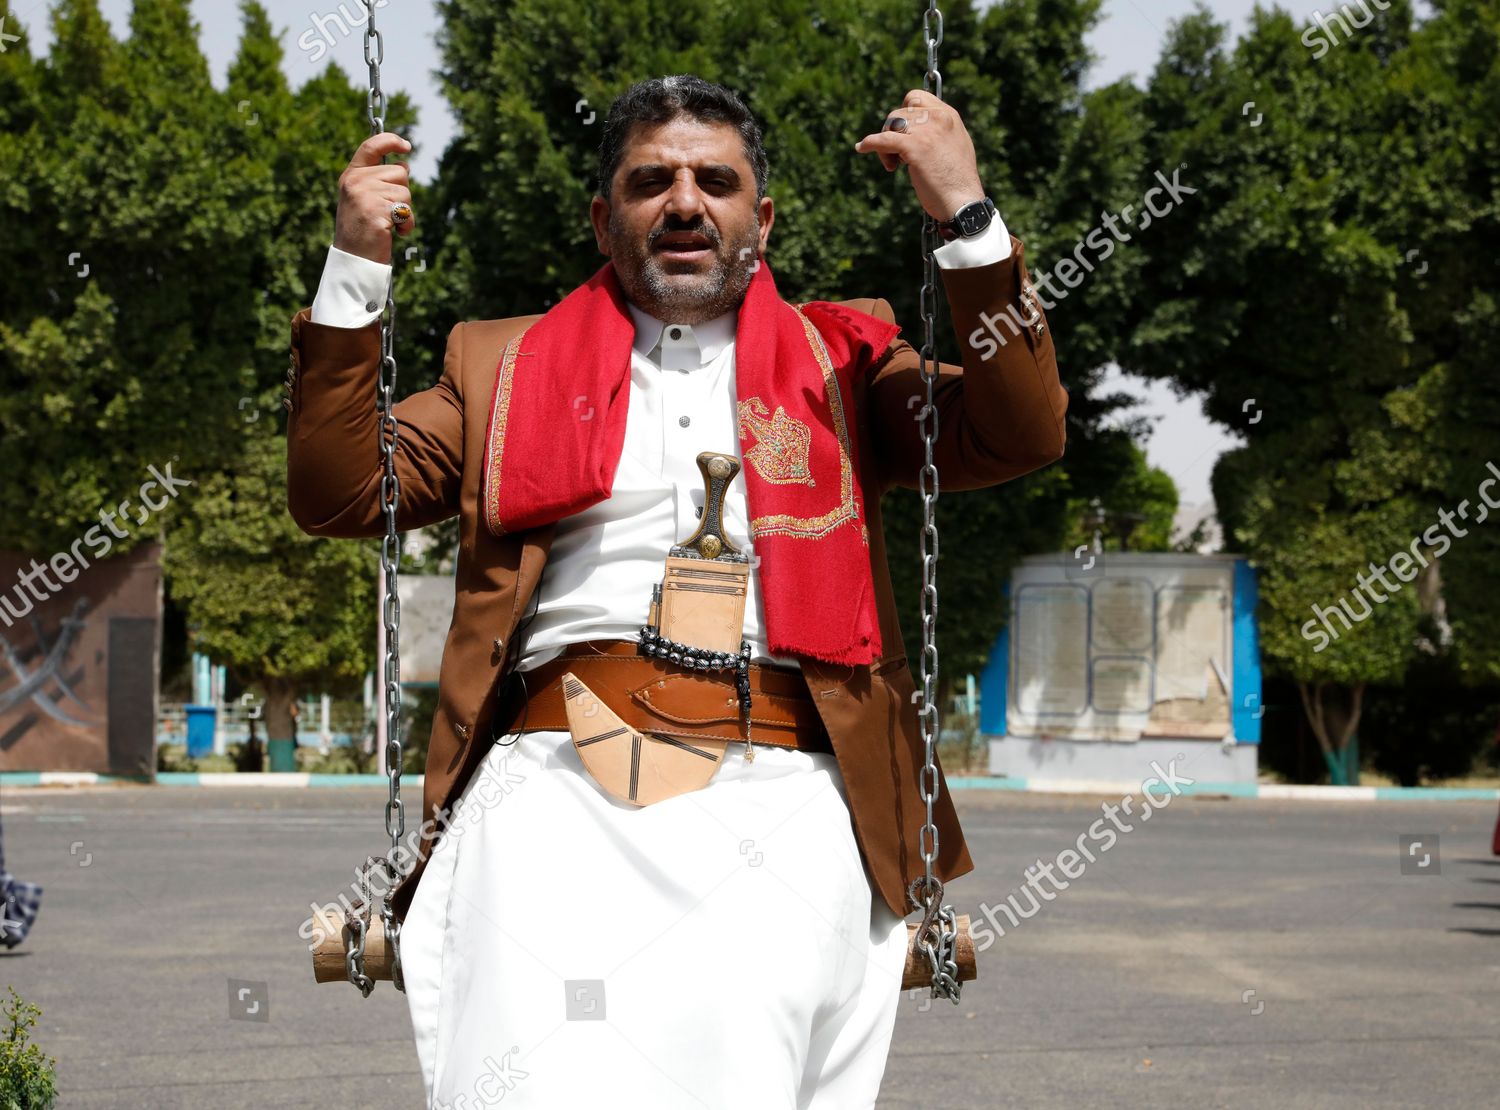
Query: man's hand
(367, 190)
(937, 151)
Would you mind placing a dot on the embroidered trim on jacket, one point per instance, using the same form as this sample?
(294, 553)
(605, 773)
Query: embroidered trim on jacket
(494, 449)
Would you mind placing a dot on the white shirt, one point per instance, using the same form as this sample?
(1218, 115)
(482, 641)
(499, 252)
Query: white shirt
(606, 559)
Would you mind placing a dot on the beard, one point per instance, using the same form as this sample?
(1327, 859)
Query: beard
(672, 291)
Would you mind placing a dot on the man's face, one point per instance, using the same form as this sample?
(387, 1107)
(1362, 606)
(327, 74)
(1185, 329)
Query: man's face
(682, 224)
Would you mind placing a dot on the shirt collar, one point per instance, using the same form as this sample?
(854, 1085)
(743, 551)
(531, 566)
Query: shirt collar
(710, 337)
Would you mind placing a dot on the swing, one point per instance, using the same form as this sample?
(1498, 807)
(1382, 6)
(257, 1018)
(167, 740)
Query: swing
(361, 949)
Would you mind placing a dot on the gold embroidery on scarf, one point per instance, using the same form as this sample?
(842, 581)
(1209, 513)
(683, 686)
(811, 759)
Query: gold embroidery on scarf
(846, 509)
(782, 442)
(495, 448)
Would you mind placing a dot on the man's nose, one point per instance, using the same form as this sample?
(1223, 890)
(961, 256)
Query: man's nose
(685, 199)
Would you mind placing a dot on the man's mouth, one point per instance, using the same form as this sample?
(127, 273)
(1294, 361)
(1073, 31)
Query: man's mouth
(683, 246)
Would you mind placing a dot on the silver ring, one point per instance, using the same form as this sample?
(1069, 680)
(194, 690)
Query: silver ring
(400, 213)
(895, 123)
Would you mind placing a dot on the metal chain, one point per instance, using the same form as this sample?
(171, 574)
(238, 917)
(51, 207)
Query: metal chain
(390, 559)
(356, 932)
(937, 935)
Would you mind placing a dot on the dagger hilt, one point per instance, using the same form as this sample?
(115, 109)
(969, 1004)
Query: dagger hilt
(709, 541)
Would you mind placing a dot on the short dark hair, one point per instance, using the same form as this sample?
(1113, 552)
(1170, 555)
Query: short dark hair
(663, 99)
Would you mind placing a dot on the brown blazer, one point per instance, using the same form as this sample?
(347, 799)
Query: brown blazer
(998, 418)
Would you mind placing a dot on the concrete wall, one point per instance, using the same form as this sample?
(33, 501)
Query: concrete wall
(79, 663)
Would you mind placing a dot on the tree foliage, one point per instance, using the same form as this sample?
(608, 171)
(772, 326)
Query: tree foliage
(202, 217)
(1333, 304)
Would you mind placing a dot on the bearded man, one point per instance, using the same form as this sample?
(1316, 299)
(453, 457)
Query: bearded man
(671, 793)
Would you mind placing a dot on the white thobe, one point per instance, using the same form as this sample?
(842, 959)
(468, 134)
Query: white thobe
(720, 950)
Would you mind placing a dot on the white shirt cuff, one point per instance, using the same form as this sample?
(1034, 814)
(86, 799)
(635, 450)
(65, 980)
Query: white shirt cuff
(350, 286)
(988, 247)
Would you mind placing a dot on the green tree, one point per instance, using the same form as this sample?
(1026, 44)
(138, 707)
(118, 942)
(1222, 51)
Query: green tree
(1296, 308)
(1057, 158)
(1449, 86)
(124, 340)
(284, 611)
(203, 218)
(1138, 518)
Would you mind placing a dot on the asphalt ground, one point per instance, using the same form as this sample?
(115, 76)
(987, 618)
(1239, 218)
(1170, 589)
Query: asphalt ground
(1228, 953)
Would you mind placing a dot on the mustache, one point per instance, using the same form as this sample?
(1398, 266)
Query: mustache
(700, 227)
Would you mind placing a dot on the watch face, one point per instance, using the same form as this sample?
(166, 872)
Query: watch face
(968, 221)
(974, 218)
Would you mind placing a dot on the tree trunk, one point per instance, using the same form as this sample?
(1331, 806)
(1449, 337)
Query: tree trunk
(1334, 725)
(278, 713)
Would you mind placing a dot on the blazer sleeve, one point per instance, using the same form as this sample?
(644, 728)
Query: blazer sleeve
(334, 465)
(1001, 413)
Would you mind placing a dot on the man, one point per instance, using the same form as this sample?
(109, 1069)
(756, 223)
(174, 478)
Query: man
(22, 902)
(739, 944)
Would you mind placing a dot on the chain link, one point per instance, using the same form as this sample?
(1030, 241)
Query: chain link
(390, 560)
(937, 935)
(356, 933)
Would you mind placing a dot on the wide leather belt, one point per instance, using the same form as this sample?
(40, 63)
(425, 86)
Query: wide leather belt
(657, 696)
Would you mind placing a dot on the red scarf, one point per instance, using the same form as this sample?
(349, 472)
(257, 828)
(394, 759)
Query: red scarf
(557, 427)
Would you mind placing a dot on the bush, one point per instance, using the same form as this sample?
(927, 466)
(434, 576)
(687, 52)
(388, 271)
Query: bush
(174, 757)
(1432, 727)
(27, 1081)
(962, 748)
(248, 756)
(342, 759)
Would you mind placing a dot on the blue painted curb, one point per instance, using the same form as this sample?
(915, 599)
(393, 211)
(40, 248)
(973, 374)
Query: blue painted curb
(1232, 789)
(1435, 793)
(981, 782)
(1064, 786)
(1277, 791)
(356, 780)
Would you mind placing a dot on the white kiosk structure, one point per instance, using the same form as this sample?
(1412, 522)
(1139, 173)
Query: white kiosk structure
(1113, 660)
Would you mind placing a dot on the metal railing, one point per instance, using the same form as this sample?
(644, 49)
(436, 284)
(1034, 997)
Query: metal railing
(349, 723)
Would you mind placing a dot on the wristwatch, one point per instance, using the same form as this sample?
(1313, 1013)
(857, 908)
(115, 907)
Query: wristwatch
(968, 221)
